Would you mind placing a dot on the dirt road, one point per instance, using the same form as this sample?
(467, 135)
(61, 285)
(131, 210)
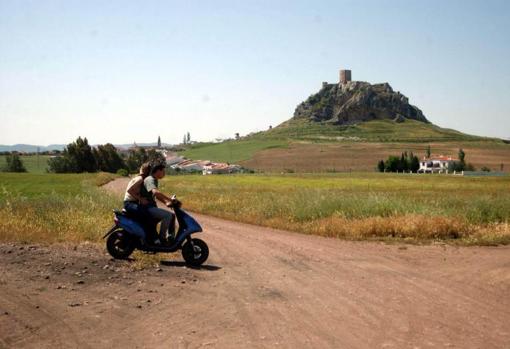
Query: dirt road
(261, 288)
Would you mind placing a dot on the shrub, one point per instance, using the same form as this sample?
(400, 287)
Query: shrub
(122, 172)
(14, 163)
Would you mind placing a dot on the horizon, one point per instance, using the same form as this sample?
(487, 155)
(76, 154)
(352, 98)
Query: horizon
(214, 69)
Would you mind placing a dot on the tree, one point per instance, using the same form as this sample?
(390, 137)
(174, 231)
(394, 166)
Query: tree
(380, 166)
(184, 139)
(108, 159)
(392, 164)
(403, 166)
(136, 157)
(461, 164)
(77, 157)
(159, 142)
(155, 157)
(405, 162)
(188, 138)
(427, 152)
(80, 156)
(59, 164)
(414, 165)
(462, 156)
(14, 163)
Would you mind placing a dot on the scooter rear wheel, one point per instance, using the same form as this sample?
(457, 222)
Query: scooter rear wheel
(120, 245)
(195, 254)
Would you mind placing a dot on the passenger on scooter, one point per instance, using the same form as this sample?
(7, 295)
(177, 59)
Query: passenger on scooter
(134, 203)
(151, 192)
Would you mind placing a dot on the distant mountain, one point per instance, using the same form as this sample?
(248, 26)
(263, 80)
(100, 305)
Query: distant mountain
(29, 148)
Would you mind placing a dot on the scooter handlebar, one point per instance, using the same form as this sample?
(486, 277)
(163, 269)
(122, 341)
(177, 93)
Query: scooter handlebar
(174, 202)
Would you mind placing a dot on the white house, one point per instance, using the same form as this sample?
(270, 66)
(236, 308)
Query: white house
(437, 164)
(220, 168)
(191, 165)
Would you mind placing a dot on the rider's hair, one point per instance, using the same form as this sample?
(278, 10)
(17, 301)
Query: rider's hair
(145, 169)
(157, 167)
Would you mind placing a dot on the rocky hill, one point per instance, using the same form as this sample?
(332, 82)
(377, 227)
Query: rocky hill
(357, 101)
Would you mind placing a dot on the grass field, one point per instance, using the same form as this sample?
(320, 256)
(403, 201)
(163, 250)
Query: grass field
(71, 207)
(33, 163)
(231, 151)
(358, 206)
(370, 131)
(54, 207)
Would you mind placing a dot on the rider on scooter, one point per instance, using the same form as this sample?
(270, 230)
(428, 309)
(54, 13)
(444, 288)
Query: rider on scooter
(151, 192)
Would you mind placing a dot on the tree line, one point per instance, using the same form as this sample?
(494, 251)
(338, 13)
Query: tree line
(408, 162)
(79, 156)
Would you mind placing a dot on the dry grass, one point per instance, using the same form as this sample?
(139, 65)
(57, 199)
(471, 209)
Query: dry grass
(56, 218)
(54, 208)
(361, 206)
(70, 208)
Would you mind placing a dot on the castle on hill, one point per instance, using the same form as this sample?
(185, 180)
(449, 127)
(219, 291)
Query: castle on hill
(345, 77)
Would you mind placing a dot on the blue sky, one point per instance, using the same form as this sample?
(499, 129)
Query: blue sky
(119, 71)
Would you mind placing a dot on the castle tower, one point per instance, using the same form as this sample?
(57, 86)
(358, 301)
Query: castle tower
(345, 76)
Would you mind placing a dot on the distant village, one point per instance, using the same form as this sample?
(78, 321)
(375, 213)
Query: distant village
(176, 163)
(179, 163)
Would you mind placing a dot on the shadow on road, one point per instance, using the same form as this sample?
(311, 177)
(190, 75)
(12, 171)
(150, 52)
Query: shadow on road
(183, 264)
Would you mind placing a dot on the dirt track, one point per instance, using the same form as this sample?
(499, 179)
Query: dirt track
(260, 288)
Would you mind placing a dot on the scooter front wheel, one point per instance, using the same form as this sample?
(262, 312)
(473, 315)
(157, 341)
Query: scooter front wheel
(120, 245)
(195, 253)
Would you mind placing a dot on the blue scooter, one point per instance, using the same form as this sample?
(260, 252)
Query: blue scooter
(126, 235)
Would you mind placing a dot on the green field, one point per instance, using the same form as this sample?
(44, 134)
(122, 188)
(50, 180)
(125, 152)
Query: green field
(230, 151)
(370, 131)
(33, 163)
(358, 206)
(54, 207)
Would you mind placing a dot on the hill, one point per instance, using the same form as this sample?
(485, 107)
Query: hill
(378, 130)
(351, 102)
(349, 127)
(360, 111)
